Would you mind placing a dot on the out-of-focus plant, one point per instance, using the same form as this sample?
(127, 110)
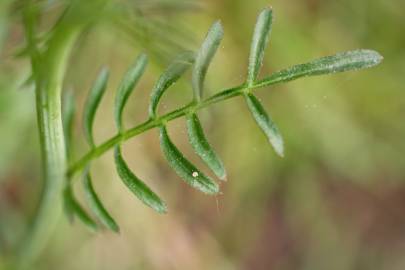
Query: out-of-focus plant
(49, 55)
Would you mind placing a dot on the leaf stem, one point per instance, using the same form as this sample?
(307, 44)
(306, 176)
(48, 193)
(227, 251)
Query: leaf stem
(153, 123)
(341, 62)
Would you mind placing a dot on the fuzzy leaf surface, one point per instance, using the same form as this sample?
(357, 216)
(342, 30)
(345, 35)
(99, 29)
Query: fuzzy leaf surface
(259, 43)
(265, 123)
(175, 70)
(136, 186)
(126, 87)
(184, 168)
(341, 62)
(204, 57)
(202, 147)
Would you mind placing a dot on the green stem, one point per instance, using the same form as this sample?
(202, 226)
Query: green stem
(158, 121)
(49, 71)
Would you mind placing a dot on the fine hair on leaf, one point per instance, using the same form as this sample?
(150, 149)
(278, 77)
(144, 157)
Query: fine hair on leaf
(184, 168)
(340, 62)
(136, 186)
(204, 57)
(259, 43)
(202, 147)
(199, 62)
(126, 87)
(50, 49)
(174, 71)
(266, 124)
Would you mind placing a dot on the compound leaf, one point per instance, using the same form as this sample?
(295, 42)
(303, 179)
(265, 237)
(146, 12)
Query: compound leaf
(265, 123)
(92, 102)
(204, 57)
(136, 186)
(184, 168)
(126, 87)
(202, 147)
(259, 43)
(175, 70)
(341, 62)
(95, 204)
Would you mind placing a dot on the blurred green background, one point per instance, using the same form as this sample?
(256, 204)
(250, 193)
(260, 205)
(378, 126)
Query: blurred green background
(335, 201)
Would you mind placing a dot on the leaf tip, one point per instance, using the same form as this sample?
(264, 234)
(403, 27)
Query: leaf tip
(116, 229)
(104, 71)
(221, 173)
(162, 208)
(370, 57)
(278, 145)
(224, 177)
(267, 9)
(143, 56)
(378, 58)
(217, 26)
(212, 188)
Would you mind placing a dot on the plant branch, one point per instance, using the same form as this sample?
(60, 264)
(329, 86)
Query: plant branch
(158, 121)
(341, 62)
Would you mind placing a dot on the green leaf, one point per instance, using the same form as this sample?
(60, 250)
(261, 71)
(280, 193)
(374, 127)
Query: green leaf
(95, 204)
(139, 188)
(73, 208)
(92, 102)
(341, 62)
(170, 76)
(68, 114)
(126, 87)
(68, 203)
(184, 168)
(202, 147)
(265, 123)
(259, 43)
(204, 57)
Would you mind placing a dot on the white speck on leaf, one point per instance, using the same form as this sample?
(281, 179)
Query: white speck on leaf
(195, 174)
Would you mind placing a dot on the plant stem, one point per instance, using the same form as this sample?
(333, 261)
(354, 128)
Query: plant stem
(158, 121)
(49, 71)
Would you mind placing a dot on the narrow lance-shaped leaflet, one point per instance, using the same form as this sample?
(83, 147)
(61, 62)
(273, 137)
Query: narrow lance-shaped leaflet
(341, 62)
(180, 64)
(126, 87)
(259, 43)
(92, 102)
(184, 168)
(202, 147)
(71, 205)
(194, 128)
(136, 186)
(204, 57)
(73, 208)
(95, 204)
(265, 123)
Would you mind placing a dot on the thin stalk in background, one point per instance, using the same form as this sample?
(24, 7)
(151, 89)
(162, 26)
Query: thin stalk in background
(49, 68)
(49, 118)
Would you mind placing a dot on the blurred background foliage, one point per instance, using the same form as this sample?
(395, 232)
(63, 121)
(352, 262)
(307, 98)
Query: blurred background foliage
(337, 199)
